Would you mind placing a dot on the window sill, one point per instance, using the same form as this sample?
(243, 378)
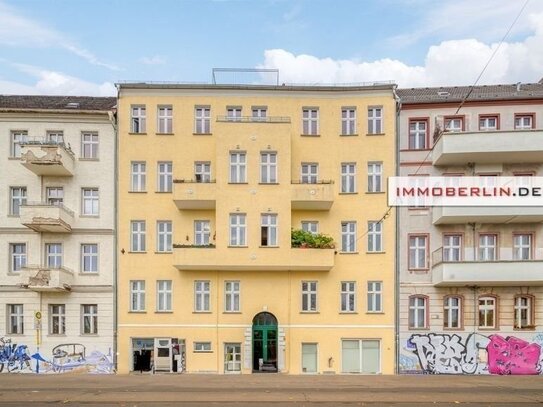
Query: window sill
(144, 252)
(137, 192)
(375, 252)
(164, 134)
(202, 351)
(84, 335)
(202, 134)
(137, 312)
(237, 247)
(88, 159)
(170, 252)
(480, 328)
(348, 193)
(268, 247)
(202, 312)
(238, 183)
(453, 329)
(375, 134)
(531, 328)
(348, 313)
(375, 313)
(14, 158)
(163, 192)
(137, 134)
(88, 273)
(309, 312)
(11, 334)
(310, 135)
(348, 253)
(268, 183)
(14, 216)
(375, 192)
(56, 335)
(419, 329)
(89, 216)
(349, 135)
(164, 312)
(232, 312)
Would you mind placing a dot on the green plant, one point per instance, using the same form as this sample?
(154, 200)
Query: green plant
(301, 238)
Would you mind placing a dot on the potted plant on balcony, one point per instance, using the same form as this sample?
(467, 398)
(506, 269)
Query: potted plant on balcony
(301, 238)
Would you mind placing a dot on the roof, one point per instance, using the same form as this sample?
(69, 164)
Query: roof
(76, 103)
(480, 93)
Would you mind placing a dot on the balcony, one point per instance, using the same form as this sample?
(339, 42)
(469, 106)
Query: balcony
(41, 278)
(194, 195)
(489, 147)
(44, 217)
(248, 259)
(251, 119)
(446, 215)
(47, 158)
(312, 197)
(471, 272)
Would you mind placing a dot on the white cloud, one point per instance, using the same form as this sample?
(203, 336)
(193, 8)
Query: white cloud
(154, 60)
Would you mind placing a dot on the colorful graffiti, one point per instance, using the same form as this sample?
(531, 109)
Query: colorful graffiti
(472, 354)
(14, 357)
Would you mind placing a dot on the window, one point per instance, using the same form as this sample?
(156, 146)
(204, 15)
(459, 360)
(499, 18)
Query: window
(268, 168)
(201, 232)
(310, 173)
(309, 357)
(17, 138)
(309, 296)
(348, 121)
(375, 120)
(233, 113)
(137, 295)
(418, 134)
(15, 319)
(310, 121)
(375, 176)
(202, 120)
(137, 241)
(164, 171)
(55, 137)
(202, 171)
(375, 236)
(165, 116)
(375, 296)
(488, 247)
(164, 295)
(164, 236)
(524, 312)
(259, 113)
(417, 252)
(418, 312)
(310, 226)
(524, 121)
(90, 200)
(360, 356)
(202, 346)
(17, 198)
(202, 296)
(139, 176)
(487, 312)
(53, 253)
(452, 312)
(89, 145)
(17, 252)
(268, 230)
(348, 178)
(488, 123)
(522, 246)
(348, 296)
(452, 247)
(348, 237)
(231, 296)
(89, 258)
(138, 120)
(89, 317)
(454, 124)
(57, 319)
(238, 168)
(237, 230)
(55, 195)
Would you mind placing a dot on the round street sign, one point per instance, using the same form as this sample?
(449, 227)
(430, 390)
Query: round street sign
(37, 314)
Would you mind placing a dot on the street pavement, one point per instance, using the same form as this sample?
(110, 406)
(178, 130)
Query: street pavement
(266, 390)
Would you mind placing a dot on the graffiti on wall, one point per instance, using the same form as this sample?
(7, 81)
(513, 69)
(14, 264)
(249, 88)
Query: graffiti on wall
(472, 354)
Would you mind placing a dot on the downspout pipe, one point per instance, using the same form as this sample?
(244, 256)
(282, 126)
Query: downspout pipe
(113, 118)
(397, 239)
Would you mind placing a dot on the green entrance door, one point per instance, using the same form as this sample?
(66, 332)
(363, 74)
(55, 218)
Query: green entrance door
(265, 343)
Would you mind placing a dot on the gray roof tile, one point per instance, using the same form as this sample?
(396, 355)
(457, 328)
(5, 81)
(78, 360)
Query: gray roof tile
(57, 102)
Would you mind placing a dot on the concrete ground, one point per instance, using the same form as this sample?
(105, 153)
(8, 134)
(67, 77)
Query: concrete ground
(269, 390)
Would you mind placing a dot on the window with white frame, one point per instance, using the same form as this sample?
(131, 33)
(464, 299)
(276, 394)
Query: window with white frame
(523, 312)
(57, 319)
(348, 121)
(268, 168)
(16, 319)
(348, 296)
(360, 356)
(348, 237)
(418, 312)
(454, 124)
(259, 113)
(201, 232)
(139, 119)
(90, 199)
(202, 295)
(138, 176)
(268, 230)
(137, 238)
(348, 178)
(311, 226)
(89, 258)
(310, 121)
(89, 319)
(165, 176)
(487, 312)
(17, 253)
(231, 296)
(164, 295)
(238, 167)
(55, 195)
(164, 236)
(375, 177)
(452, 312)
(418, 256)
(375, 120)
(137, 295)
(375, 236)
(233, 113)
(418, 132)
(17, 198)
(375, 296)
(309, 296)
(202, 171)
(202, 346)
(309, 173)
(89, 145)
(55, 137)
(488, 247)
(202, 120)
(452, 246)
(524, 122)
(165, 120)
(522, 246)
(238, 229)
(488, 123)
(17, 138)
(53, 255)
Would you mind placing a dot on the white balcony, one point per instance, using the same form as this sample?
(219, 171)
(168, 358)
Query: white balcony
(312, 197)
(44, 217)
(447, 215)
(41, 278)
(193, 195)
(47, 158)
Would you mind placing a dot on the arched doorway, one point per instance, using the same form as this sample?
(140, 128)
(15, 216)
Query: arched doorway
(264, 342)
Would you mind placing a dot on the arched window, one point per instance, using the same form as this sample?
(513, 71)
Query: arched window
(264, 318)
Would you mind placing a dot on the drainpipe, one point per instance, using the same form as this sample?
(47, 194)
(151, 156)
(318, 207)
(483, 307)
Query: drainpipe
(397, 239)
(113, 119)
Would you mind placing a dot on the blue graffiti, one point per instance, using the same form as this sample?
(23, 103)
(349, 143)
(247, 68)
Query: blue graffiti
(14, 356)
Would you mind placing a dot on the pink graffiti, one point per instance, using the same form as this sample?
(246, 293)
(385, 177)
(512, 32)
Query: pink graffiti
(512, 356)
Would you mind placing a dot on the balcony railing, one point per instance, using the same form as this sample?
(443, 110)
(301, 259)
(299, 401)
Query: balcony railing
(251, 119)
(43, 278)
(49, 158)
(46, 217)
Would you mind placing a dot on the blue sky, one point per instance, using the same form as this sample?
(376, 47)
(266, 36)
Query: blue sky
(83, 47)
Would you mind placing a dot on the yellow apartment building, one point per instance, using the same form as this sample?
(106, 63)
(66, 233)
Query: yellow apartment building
(254, 233)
